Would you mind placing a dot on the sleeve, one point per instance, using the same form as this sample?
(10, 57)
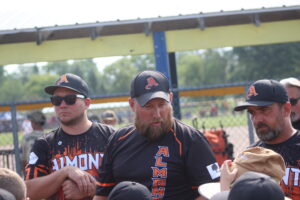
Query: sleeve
(201, 165)
(38, 164)
(106, 182)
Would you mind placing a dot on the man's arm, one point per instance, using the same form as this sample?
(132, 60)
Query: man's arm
(100, 198)
(46, 186)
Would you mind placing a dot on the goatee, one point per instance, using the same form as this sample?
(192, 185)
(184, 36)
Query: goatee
(153, 134)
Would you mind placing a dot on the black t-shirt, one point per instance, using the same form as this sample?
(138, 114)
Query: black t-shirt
(296, 125)
(290, 151)
(58, 149)
(172, 168)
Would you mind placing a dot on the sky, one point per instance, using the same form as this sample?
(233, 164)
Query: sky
(19, 14)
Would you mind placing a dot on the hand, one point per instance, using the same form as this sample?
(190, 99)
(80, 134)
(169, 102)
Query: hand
(71, 190)
(227, 176)
(84, 181)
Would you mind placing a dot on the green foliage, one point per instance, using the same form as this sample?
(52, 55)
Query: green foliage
(194, 69)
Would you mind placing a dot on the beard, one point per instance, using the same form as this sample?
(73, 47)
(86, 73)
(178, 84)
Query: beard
(72, 121)
(269, 134)
(294, 116)
(153, 134)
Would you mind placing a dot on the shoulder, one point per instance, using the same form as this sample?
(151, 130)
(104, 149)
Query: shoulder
(184, 130)
(103, 129)
(124, 132)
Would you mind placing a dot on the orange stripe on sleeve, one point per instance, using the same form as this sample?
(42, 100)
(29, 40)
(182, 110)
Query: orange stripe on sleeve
(178, 141)
(105, 184)
(124, 136)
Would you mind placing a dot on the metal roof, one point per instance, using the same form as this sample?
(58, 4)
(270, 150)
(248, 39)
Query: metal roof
(201, 21)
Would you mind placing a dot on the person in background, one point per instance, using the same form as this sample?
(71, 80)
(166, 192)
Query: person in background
(37, 120)
(269, 108)
(167, 156)
(13, 183)
(292, 86)
(64, 163)
(109, 117)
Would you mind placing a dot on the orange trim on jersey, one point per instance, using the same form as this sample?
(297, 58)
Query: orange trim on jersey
(105, 184)
(124, 136)
(178, 141)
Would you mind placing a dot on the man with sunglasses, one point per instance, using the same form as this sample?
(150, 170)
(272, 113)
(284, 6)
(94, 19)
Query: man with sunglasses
(64, 163)
(292, 86)
(269, 108)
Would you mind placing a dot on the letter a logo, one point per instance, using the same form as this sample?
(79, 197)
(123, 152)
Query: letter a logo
(252, 92)
(150, 83)
(62, 79)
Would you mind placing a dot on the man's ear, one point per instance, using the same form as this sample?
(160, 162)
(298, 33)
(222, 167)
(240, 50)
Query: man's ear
(287, 109)
(132, 103)
(171, 97)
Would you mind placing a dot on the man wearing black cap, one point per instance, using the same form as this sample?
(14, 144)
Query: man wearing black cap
(170, 158)
(64, 163)
(292, 86)
(269, 108)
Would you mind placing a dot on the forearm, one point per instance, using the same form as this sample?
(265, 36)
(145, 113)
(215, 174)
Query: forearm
(100, 198)
(46, 186)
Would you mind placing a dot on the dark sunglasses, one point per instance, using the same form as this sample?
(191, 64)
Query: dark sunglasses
(294, 101)
(68, 99)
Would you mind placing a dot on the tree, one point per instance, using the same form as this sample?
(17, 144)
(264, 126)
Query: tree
(267, 61)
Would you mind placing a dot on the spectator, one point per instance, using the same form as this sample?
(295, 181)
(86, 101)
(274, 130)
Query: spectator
(128, 190)
(170, 158)
(292, 85)
(37, 120)
(13, 183)
(109, 117)
(64, 163)
(269, 108)
(252, 186)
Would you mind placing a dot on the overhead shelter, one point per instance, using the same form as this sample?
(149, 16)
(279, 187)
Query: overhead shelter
(161, 36)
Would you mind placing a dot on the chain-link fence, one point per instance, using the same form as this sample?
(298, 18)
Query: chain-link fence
(203, 113)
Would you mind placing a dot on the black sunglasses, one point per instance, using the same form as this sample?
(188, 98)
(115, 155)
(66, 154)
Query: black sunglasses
(68, 99)
(294, 101)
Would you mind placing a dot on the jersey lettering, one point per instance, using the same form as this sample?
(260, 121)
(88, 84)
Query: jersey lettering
(290, 183)
(159, 173)
(82, 161)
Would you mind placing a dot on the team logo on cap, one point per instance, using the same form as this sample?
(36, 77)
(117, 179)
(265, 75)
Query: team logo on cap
(252, 92)
(150, 83)
(62, 79)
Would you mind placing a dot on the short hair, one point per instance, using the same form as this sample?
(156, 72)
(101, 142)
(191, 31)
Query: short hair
(12, 182)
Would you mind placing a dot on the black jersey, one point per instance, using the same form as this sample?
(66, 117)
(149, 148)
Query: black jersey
(58, 149)
(290, 151)
(171, 168)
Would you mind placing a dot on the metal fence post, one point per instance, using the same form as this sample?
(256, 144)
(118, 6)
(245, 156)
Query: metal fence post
(16, 139)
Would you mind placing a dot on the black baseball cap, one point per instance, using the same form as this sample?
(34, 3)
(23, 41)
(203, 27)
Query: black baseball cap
(70, 81)
(148, 85)
(264, 93)
(250, 186)
(129, 190)
(6, 195)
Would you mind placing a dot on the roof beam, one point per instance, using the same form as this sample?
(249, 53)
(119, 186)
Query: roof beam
(136, 44)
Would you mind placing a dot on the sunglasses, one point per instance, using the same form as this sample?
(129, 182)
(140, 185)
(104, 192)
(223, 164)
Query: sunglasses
(68, 99)
(294, 101)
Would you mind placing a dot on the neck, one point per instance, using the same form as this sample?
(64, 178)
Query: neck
(78, 128)
(287, 132)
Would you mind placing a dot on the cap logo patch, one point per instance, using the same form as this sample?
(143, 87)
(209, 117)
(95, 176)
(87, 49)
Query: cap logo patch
(252, 92)
(63, 79)
(150, 83)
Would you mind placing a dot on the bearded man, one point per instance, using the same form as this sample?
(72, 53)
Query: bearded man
(170, 158)
(268, 104)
